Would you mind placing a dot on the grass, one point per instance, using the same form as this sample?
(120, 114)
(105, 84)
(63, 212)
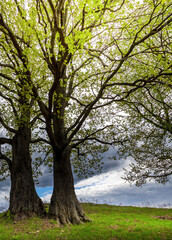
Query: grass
(109, 222)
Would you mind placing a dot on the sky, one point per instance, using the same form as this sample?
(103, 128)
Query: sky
(107, 187)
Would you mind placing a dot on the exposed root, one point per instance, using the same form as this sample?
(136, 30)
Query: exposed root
(68, 214)
(22, 215)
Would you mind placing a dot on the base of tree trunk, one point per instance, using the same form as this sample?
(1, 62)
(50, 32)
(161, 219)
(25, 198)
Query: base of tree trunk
(27, 210)
(64, 206)
(24, 200)
(67, 211)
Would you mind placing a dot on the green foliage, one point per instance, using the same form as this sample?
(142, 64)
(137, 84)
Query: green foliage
(4, 170)
(77, 59)
(148, 130)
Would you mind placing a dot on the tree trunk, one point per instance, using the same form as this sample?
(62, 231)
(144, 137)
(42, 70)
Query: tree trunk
(24, 201)
(64, 206)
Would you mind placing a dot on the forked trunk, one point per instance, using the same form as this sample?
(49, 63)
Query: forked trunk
(24, 201)
(64, 206)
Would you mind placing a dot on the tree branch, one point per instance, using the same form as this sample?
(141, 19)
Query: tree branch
(8, 160)
(5, 141)
(40, 140)
(6, 126)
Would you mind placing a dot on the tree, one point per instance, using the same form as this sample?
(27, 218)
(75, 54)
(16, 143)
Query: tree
(81, 53)
(148, 127)
(16, 120)
(148, 116)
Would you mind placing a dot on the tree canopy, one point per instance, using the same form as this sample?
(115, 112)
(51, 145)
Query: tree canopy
(148, 119)
(78, 59)
(148, 128)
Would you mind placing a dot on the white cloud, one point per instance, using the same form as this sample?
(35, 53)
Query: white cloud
(95, 186)
(100, 184)
(46, 198)
(110, 188)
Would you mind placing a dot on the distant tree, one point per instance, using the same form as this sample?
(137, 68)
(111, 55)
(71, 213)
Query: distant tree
(148, 120)
(148, 128)
(79, 60)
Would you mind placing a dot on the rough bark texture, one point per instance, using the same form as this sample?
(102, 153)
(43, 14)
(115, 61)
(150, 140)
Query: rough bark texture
(24, 201)
(64, 206)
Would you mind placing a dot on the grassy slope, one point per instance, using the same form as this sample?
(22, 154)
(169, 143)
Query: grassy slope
(109, 222)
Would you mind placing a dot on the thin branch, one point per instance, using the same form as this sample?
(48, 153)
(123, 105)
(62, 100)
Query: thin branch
(7, 66)
(35, 119)
(79, 141)
(40, 140)
(8, 160)
(157, 176)
(11, 103)
(6, 76)
(6, 126)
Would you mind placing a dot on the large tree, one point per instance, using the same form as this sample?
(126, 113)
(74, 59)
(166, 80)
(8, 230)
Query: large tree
(82, 54)
(18, 116)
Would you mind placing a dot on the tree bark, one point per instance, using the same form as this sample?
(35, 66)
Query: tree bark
(24, 201)
(64, 206)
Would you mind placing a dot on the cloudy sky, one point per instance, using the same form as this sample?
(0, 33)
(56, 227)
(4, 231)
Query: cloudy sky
(106, 187)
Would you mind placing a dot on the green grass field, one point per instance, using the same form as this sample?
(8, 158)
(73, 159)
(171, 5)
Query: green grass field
(109, 222)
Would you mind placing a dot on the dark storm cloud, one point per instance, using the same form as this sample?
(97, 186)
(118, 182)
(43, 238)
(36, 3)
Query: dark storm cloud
(109, 164)
(4, 194)
(106, 187)
(5, 185)
(46, 180)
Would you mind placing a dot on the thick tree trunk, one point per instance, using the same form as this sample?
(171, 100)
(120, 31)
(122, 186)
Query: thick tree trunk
(64, 206)
(24, 201)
